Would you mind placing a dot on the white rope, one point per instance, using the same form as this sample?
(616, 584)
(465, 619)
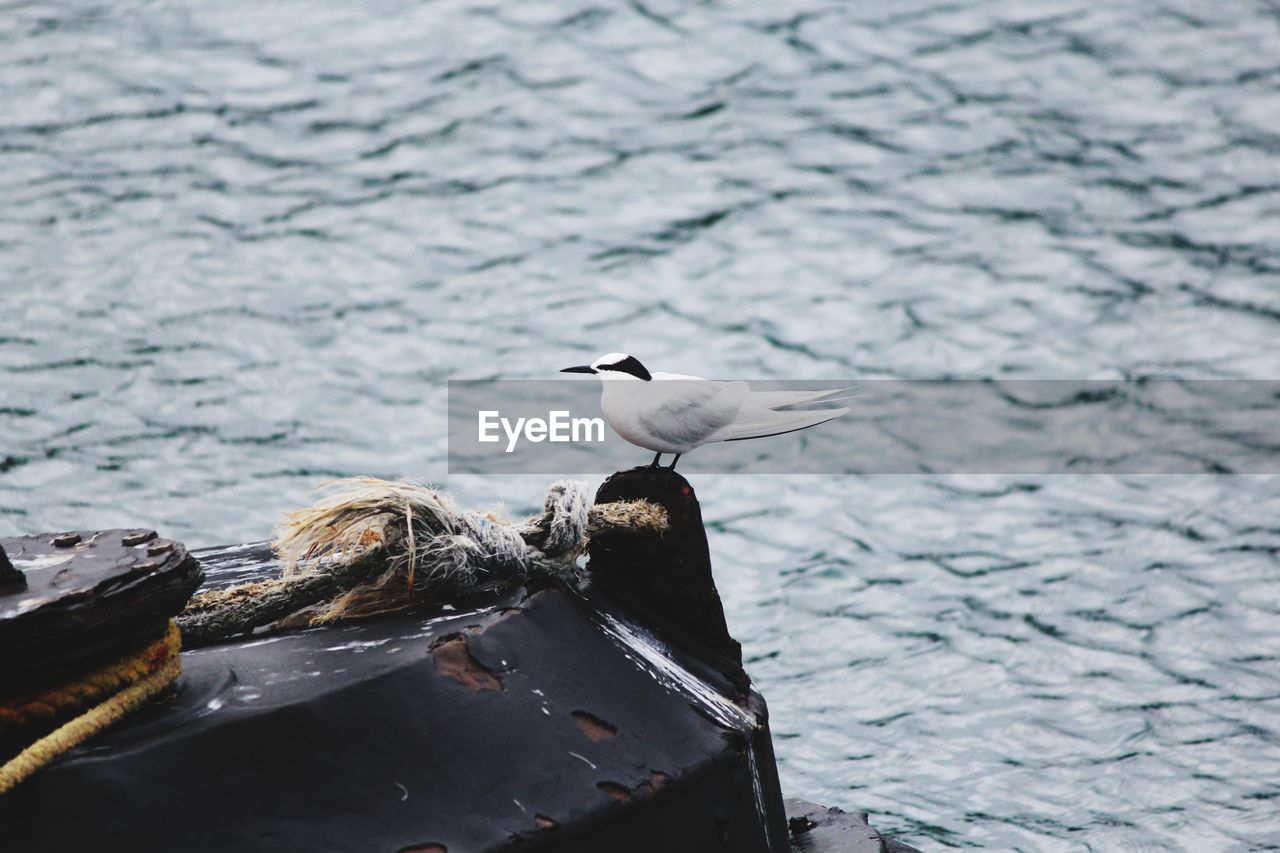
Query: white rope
(567, 512)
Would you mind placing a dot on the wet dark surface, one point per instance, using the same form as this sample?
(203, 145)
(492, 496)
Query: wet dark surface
(86, 598)
(456, 727)
(815, 829)
(242, 246)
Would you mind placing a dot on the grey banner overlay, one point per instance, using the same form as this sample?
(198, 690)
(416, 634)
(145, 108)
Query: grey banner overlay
(1153, 426)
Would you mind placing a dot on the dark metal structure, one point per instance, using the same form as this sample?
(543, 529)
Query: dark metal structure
(75, 600)
(609, 716)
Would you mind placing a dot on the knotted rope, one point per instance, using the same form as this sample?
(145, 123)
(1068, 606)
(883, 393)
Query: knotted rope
(127, 683)
(373, 546)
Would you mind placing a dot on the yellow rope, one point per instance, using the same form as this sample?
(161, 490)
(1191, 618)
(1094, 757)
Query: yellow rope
(147, 673)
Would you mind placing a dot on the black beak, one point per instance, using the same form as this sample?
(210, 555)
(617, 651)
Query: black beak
(581, 368)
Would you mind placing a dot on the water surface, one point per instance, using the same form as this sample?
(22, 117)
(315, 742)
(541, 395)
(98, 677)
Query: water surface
(243, 245)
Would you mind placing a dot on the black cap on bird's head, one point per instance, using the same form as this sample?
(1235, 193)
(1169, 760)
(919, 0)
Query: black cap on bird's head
(616, 363)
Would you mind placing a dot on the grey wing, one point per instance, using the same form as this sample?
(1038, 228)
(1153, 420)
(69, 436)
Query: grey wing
(686, 412)
(766, 422)
(778, 399)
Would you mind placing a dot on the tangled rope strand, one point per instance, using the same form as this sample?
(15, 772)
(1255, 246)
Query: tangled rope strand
(370, 544)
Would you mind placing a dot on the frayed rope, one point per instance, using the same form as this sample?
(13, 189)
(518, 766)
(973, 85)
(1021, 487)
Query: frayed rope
(372, 546)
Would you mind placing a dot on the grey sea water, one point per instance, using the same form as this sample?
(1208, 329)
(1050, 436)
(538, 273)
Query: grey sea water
(244, 245)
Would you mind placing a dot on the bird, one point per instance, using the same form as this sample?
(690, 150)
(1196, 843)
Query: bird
(675, 413)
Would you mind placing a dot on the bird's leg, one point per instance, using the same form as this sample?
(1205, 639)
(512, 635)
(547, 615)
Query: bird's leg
(656, 458)
(672, 466)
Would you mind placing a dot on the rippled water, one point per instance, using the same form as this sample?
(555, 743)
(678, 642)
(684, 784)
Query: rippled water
(242, 245)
